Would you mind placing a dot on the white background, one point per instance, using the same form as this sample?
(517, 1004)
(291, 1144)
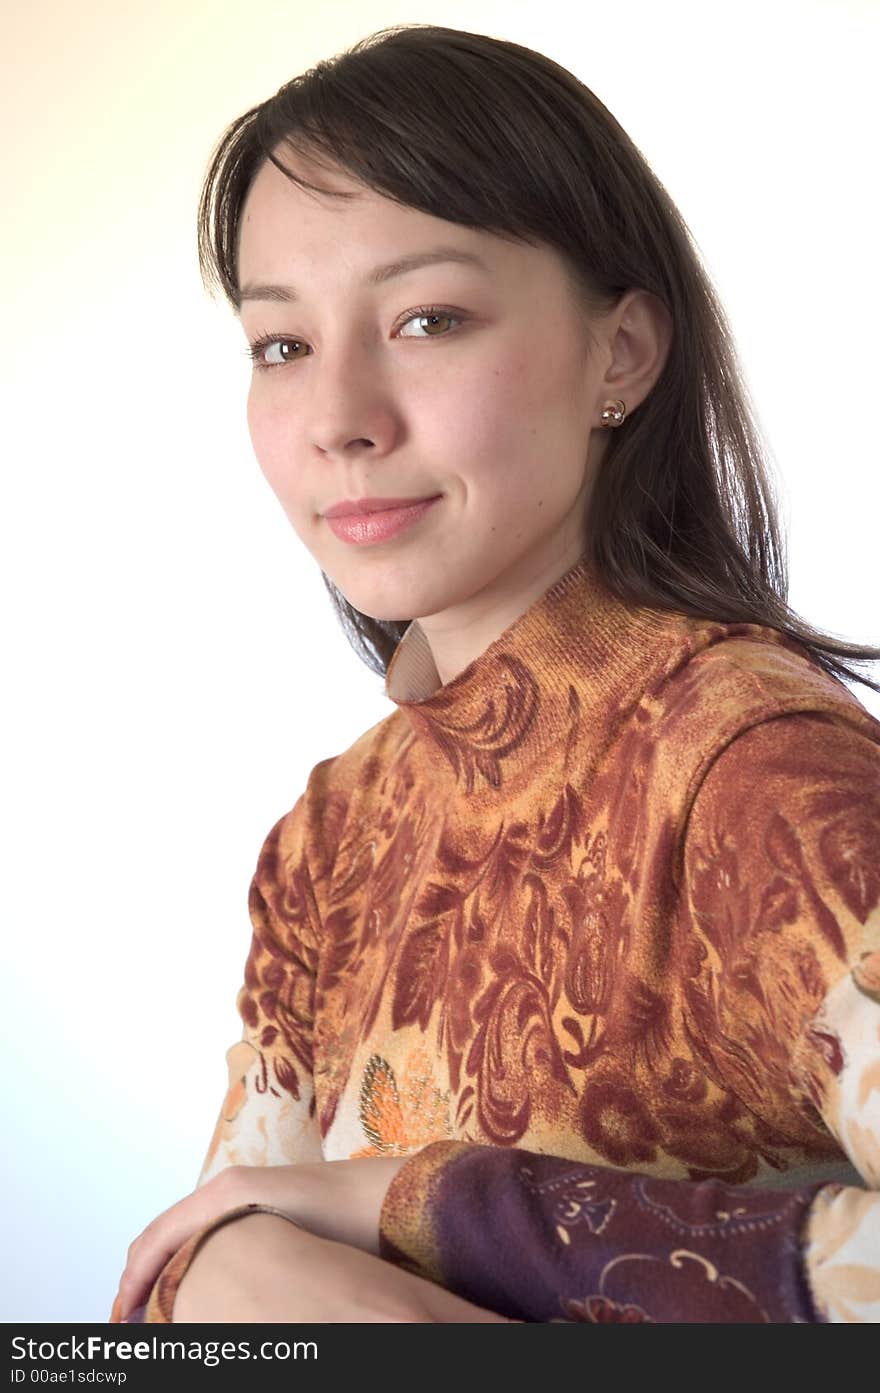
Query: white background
(174, 668)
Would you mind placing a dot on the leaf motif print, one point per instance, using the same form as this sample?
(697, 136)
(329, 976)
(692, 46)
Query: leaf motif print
(587, 1046)
(335, 1049)
(598, 938)
(286, 1076)
(476, 745)
(464, 1108)
(504, 867)
(465, 984)
(437, 900)
(784, 851)
(544, 941)
(289, 1013)
(395, 870)
(783, 847)
(715, 892)
(281, 885)
(640, 1022)
(557, 832)
(515, 1054)
(420, 979)
(779, 904)
(850, 849)
(387, 914)
(354, 870)
(341, 947)
(623, 791)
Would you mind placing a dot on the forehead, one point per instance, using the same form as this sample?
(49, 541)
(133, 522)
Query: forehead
(286, 231)
(272, 190)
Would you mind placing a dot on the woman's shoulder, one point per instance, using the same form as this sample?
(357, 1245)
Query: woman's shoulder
(730, 677)
(335, 778)
(313, 826)
(734, 698)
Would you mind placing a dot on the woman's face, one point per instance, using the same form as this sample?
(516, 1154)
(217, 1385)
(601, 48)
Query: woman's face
(490, 405)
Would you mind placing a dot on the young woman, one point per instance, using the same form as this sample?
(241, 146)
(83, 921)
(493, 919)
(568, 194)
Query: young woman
(563, 997)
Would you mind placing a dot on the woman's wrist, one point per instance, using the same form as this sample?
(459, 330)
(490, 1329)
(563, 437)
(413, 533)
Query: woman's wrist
(338, 1200)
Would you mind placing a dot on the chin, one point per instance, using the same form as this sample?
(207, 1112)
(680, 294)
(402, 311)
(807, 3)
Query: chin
(397, 599)
(388, 612)
(372, 604)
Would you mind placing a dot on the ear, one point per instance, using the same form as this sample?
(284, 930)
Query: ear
(638, 334)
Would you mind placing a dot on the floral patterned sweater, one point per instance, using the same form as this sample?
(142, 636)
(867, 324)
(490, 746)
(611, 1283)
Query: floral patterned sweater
(591, 933)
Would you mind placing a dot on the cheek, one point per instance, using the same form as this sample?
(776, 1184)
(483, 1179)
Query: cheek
(490, 412)
(525, 387)
(269, 430)
(515, 413)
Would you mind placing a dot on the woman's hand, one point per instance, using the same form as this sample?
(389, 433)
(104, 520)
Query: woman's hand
(337, 1200)
(260, 1268)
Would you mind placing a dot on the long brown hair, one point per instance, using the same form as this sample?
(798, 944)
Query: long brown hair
(489, 134)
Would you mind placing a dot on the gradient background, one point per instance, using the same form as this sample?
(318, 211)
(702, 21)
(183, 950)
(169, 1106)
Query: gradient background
(174, 666)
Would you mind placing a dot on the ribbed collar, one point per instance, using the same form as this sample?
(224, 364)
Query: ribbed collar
(561, 670)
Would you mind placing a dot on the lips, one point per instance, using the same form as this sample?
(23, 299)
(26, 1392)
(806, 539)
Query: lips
(362, 506)
(381, 524)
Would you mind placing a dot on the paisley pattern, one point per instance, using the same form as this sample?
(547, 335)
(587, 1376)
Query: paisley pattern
(587, 898)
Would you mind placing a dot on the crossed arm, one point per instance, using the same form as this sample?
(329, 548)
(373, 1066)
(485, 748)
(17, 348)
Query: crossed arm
(316, 1247)
(262, 1267)
(311, 1250)
(824, 1241)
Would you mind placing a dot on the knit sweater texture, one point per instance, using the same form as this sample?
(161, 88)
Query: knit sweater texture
(583, 901)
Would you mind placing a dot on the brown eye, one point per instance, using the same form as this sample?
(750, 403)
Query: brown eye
(285, 349)
(433, 320)
(259, 352)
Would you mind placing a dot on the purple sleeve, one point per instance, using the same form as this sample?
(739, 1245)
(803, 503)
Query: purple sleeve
(541, 1238)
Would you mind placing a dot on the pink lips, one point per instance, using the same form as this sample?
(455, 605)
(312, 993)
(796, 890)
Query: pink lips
(375, 524)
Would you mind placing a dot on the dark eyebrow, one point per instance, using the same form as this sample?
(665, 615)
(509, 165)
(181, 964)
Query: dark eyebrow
(379, 274)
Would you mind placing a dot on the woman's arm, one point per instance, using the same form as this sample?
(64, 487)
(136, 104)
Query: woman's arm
(336, 1200)
(607, 1245)
(260, 1267)
(405, 1210)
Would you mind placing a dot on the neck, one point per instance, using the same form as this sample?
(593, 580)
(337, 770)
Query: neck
(457, 636)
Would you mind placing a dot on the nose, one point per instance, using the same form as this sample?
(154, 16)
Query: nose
(348, 404)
